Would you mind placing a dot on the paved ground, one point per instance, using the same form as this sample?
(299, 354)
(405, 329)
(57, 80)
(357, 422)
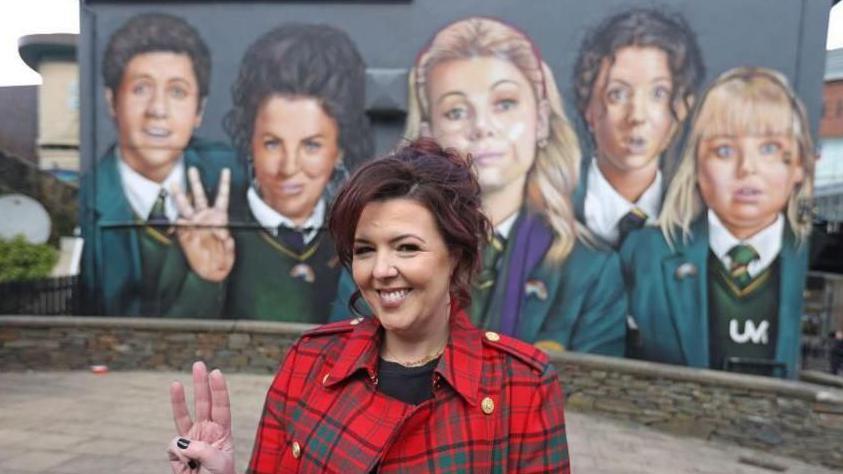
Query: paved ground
(78, 422)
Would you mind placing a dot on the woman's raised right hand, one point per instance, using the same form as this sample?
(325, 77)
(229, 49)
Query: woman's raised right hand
(205, 445)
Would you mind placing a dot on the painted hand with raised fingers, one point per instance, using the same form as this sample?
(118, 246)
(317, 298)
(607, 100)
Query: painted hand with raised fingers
(202, 230)
(204, 445)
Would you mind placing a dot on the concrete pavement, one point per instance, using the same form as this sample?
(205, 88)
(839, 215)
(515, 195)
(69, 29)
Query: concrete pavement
(78, 422)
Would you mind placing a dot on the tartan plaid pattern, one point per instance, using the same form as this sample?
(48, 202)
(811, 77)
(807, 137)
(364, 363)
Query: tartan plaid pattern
(325, 401)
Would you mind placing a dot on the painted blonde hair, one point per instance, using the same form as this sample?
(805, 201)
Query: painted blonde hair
(555, 172)
(742, 101)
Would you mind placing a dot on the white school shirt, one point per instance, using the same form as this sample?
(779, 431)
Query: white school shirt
(141, 192)
(604, 207)
(270, 219)
(767, 242)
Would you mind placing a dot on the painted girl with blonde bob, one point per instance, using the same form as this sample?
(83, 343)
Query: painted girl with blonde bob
(481, 87)
(719, 283)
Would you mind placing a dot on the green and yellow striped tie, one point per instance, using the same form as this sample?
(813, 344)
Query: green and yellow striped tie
(742, 255)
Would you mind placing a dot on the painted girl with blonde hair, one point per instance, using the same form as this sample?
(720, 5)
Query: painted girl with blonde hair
(481, 87)
(719, 283)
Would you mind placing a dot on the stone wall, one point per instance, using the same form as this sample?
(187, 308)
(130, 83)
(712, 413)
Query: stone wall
(71, 343)
(789, 418)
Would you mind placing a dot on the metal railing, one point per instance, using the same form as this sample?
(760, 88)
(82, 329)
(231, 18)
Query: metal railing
(48, 296)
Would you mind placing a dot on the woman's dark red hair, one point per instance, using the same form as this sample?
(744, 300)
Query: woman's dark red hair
(439, 179)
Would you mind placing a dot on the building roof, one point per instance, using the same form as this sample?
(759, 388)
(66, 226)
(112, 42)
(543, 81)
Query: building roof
(58, 46)
(834, 65)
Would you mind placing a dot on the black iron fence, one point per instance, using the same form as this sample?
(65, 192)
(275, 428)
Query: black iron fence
(48, 296)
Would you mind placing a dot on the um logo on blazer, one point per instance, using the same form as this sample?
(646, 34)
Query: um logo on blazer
(668, 296)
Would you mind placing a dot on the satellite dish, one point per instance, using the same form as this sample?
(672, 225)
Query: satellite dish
(22, 215)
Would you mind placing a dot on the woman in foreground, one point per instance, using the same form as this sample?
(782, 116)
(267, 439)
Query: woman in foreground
(416, 388)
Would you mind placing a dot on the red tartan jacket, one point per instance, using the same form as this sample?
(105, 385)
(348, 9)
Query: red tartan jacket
(497, 406)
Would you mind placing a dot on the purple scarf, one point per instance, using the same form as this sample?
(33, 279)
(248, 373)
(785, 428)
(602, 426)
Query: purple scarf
(532, 239)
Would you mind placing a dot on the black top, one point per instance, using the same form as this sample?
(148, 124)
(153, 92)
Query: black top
(411, 385)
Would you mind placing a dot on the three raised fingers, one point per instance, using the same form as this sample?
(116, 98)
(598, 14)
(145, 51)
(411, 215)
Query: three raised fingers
(220, 406)
(201, 392)
(181, 417)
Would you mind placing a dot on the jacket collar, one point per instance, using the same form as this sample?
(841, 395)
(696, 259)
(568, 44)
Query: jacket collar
(685, 276)
(687, 294)
(460, 365)
(110, 202)
(110, 199)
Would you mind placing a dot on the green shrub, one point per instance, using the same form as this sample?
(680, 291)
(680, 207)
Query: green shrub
(20, 260)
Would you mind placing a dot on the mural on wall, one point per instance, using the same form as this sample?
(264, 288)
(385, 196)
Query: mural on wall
(298, 119)
(634, 81)
(719, 282)
(298, 116)
(156, 69)
(672, 229)
(481, 87)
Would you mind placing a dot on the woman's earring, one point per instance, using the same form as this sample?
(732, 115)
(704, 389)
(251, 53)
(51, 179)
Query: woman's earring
(542, 142)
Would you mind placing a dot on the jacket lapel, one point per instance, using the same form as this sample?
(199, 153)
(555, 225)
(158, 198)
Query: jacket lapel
(684, 273)
(539, 294)
(118, 252)
(793, 267)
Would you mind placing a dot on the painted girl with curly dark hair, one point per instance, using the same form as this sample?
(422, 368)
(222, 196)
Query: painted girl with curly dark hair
(298, 117)
(634, 82)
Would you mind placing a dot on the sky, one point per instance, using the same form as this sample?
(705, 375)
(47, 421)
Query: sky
(62, 16)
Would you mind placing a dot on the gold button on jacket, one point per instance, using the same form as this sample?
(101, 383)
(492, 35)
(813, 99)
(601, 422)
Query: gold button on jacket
(487, 405)
(296, 449)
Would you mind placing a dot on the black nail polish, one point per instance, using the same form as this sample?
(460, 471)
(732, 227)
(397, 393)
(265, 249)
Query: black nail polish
(183, 443)
(192, 464)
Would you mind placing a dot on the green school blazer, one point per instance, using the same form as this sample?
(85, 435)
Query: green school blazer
(271, 281)
(111, 269)
(668, 296)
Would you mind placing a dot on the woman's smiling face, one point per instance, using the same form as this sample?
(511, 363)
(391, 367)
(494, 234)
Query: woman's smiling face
(402, 266)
